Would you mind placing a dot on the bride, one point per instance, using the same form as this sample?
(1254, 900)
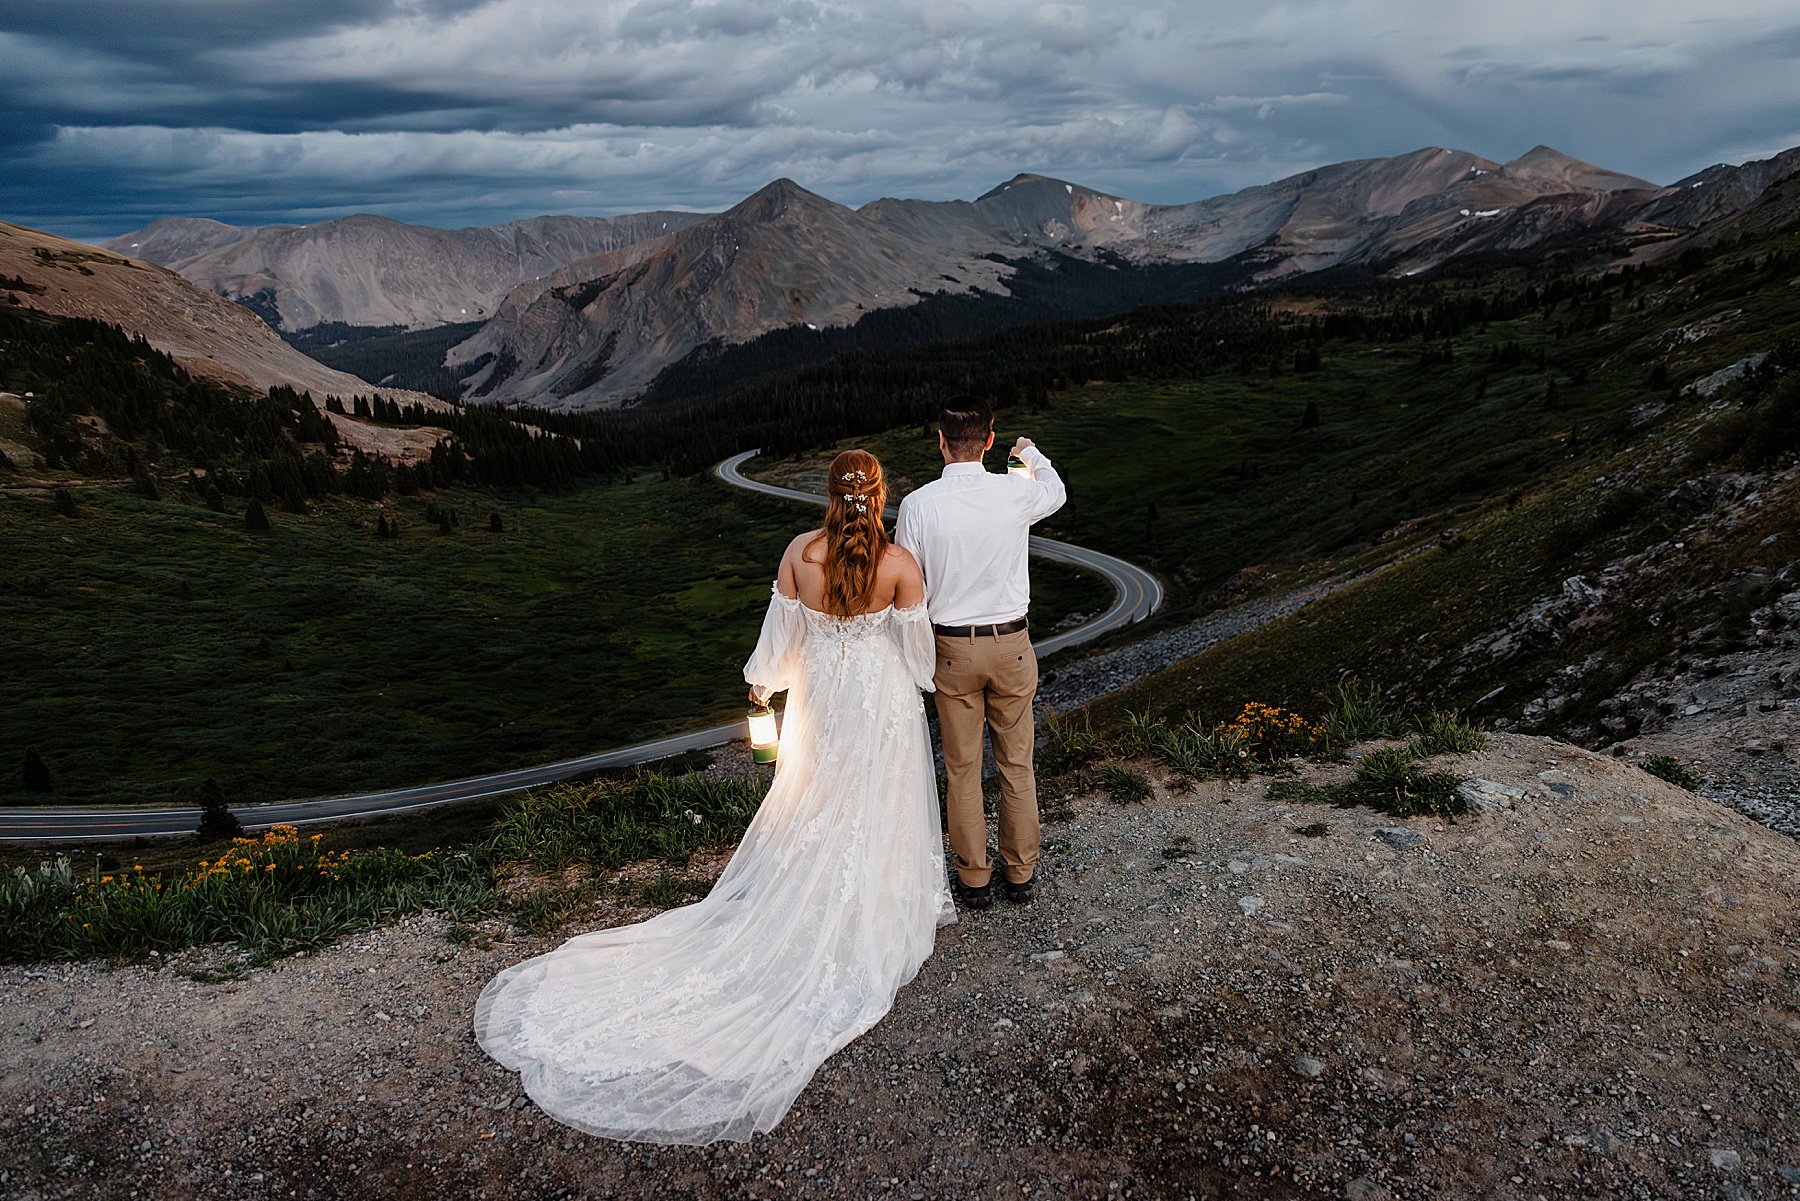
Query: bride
(705, 1022)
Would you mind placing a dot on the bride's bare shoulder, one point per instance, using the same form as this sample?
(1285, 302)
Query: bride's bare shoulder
(796, 550)
(899, 560)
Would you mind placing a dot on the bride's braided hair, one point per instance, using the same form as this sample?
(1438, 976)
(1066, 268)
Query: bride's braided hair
(855, 536)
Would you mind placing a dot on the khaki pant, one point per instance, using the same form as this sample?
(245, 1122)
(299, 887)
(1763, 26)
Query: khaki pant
(991, 681)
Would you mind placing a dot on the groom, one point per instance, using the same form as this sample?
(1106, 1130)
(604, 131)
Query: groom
(968, 529)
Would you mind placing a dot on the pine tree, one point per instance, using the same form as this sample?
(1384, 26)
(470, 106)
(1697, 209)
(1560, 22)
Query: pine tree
(36, 773)
(215, 500)
(495, 525)
(65, 503)
(255, 519)
(216, 818)
(1310, 419)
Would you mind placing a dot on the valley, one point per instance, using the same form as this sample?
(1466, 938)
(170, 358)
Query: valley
(1462, 444)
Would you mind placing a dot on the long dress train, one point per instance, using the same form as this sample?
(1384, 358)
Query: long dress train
(705, 1022)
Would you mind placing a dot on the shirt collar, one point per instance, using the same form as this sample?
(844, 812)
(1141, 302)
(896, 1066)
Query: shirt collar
(974, 468)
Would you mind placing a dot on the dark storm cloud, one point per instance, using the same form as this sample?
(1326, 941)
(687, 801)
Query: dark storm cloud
(464, 111)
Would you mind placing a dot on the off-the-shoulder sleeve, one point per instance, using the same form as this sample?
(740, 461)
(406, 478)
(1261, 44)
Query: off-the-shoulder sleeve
(775, 663)
(911, 631)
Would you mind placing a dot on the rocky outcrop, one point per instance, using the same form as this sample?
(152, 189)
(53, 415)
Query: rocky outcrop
(1718, 191)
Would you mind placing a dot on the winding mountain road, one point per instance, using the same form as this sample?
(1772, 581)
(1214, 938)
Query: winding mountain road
(1137, 595)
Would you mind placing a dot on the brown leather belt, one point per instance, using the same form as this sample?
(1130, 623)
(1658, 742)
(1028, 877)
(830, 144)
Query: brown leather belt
(1005, 627)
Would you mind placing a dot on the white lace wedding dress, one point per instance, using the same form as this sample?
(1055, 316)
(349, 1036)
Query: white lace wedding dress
(705, 1022)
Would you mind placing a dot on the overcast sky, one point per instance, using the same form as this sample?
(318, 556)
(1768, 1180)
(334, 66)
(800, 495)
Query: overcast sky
(465, 112)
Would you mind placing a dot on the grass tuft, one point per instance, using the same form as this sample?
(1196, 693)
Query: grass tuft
(1070, 744)
(669, 890)
(1302, 792)
(1445, 733)
(1125, 785)
(1388, 781)
(1358, 713)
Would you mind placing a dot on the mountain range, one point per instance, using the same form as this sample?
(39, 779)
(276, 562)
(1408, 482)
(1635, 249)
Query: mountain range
(207, 335)
(373, 271)
(587, 312)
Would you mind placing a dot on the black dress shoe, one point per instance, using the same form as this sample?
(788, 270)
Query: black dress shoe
(1020, 894)
(975, 898)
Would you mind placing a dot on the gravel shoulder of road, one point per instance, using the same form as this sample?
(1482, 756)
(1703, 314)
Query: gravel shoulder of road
(1591, 987)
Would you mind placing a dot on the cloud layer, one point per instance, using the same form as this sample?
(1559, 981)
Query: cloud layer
(471, 111)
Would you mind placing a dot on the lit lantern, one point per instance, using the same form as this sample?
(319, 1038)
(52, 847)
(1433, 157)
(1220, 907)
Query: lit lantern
(1016, 466)
(765, 738)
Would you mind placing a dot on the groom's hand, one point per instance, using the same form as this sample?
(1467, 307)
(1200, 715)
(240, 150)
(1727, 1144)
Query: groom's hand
(1021, 444)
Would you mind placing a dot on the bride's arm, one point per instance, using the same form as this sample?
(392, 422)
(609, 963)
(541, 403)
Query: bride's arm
(775, 661)
(911, 625)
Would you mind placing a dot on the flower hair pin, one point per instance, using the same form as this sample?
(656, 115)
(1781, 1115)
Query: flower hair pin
(859, 499)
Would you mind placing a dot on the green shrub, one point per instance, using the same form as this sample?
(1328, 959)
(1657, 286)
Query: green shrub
(1668, 767)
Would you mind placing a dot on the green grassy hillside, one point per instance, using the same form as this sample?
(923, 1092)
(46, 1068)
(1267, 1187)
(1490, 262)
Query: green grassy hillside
(166, 643)
(155, 643)
(1514, 427)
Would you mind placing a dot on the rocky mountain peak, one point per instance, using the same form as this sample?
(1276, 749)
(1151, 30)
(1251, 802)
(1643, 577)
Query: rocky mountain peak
(1030, 181)
(781, 198)
(1546, 164)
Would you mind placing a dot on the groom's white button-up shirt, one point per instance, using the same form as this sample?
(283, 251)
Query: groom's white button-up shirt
(969, 530)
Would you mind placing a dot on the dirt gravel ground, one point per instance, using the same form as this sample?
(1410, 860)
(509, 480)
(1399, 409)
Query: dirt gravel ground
(1589, 989)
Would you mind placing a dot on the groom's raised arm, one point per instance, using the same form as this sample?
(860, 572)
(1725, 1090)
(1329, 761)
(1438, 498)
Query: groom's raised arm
(1048, 491)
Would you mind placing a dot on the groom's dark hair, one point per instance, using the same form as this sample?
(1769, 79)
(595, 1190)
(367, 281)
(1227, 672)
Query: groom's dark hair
(966, 424)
